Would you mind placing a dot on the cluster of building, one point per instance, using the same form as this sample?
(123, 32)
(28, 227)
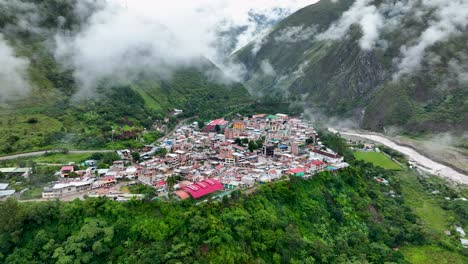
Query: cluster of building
(224, 155)
(5, 192)
(219, 157)
(91, 181)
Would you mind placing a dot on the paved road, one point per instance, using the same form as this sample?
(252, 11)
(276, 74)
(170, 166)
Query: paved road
(39, 153)
(179, 125)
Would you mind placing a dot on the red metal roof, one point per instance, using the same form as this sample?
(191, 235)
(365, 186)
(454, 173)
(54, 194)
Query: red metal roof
(219, 121)
(203, 188)
(317, 163)
(161, 183)
(67, 168)
(297, 170)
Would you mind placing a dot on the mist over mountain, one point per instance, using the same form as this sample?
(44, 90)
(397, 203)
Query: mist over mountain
(114, 39)
(383, 63)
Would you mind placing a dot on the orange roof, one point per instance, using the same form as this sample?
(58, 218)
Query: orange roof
(182, 194)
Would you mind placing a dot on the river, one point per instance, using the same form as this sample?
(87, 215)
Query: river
(417, 159)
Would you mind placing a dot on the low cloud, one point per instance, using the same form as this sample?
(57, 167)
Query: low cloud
(443, 20)
(295, 34)
(13, 72)
(450, 19)
(121, 40)
(267, 68)
(116, 44)
(118, 39)
(317, 116)
(365, 14)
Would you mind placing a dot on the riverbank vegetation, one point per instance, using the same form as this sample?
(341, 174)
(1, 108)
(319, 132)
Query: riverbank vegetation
(378, 159)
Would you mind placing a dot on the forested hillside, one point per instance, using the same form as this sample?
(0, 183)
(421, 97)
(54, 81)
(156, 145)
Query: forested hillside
(48, 107)
(328, 219)
(382, 63)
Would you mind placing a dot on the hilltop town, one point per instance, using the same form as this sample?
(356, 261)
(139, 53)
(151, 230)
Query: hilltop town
(197, 160)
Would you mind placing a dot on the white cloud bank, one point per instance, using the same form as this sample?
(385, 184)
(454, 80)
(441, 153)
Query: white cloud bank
(446, 19)
(450, 19)
(123, 38)
(13, 72)
(365, 14)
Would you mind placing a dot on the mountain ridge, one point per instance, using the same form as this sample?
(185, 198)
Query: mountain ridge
(340, 78)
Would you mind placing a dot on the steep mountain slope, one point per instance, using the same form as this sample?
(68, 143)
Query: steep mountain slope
(321, 56)
(55, 112)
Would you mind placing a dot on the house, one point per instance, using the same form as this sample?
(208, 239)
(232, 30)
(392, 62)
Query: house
(66, 170)
(249, 180)
(200, 189)
(211, 126)
(3, 186)
(230, 160)
(460, 231)
(177, 112)
(6, 193)
(324, 155)
(238, 148)
(63, 189)
(25, 172)
(299, 172)
(268, 178)
(464, 242)
(238, 125)
(90, 163)
(268, 150)
(234, 185)
(317, 165)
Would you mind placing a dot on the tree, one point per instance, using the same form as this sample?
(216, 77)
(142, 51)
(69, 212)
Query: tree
(161, 152)
(170, 182)
(201, 124)
(218, 129)
(136, 156)
(252, 146)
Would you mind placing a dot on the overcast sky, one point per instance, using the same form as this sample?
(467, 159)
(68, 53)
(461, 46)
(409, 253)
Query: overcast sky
(197, 19)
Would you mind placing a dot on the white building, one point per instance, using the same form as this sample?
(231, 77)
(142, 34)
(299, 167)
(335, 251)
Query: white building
(63, 189)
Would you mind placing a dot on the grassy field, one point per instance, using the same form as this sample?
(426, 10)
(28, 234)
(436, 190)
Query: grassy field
(435, 221)
(33, 193)
(378, 159)
(424, 204)
(26, 132)
(61, 158)
(432, 254)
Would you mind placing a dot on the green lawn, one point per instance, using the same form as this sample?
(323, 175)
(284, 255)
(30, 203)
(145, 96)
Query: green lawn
(432, 254)
(33, 193)
(61, 158)
(378, 159)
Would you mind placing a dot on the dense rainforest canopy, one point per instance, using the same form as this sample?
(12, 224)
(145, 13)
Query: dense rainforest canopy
(327, 219)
